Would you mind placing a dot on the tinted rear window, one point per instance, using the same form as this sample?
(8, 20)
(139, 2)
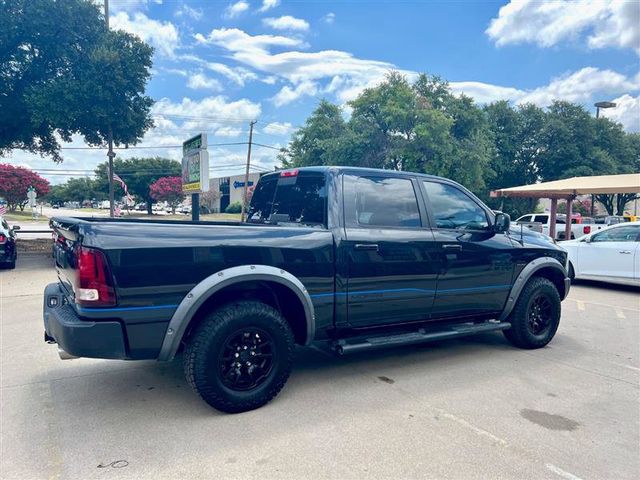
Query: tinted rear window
(290, 200)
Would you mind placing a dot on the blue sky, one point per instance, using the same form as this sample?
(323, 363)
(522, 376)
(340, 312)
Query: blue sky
(220, 64)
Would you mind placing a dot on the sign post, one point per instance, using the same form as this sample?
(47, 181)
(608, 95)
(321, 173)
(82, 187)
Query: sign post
(31, 196)
(195, 171)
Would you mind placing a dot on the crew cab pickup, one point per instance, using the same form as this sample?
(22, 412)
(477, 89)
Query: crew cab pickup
(579, 228)
(340, 258)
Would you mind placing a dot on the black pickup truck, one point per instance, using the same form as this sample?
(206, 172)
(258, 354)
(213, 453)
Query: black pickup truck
(342, 258)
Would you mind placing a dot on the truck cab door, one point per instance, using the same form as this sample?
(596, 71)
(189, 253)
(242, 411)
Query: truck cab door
(476, 263)
(388, 252)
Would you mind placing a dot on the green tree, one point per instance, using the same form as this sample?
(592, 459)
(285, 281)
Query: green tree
(311, 143)
(516, 134)
(82, 189)
(57, 194)
(62, 72)
(138, 174)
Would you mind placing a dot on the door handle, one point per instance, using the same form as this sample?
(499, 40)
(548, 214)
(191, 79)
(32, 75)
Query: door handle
(454, 246)
(366, 246)
(626, 252)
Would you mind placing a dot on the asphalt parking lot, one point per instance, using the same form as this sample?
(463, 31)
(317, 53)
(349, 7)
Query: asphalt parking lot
(469, 408)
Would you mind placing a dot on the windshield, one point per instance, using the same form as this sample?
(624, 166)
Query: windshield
(297, 200)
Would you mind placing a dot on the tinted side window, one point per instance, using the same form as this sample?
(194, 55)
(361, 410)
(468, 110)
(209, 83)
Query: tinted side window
(386, 202)
(620, 234)
(299, 199)
(452, 208)
(541, 218)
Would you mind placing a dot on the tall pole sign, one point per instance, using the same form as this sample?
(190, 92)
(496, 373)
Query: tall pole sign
(195, 171)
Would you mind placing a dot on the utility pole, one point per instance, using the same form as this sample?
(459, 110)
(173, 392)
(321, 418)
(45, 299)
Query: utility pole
(110, 153)
(246, 174)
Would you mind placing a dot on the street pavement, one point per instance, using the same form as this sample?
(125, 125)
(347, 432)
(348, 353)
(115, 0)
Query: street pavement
(468, 408)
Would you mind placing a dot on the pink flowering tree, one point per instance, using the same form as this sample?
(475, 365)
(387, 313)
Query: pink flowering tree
(167, 189)
(15, 182)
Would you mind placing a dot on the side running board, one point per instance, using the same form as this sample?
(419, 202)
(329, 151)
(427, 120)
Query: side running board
(358, 344)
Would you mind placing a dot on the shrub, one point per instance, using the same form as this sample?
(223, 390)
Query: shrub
(235, 207)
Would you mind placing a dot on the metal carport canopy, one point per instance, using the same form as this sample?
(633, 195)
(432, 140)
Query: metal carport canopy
(569, 188)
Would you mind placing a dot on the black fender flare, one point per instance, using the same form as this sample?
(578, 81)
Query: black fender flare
(527, 272)
(202, 291)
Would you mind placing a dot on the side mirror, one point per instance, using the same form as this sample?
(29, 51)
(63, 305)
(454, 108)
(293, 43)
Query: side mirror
(502, 222)
(587, 239)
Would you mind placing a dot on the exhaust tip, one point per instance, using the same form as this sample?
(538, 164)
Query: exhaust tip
(65, 355)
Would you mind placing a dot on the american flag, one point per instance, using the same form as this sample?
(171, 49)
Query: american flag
(3, 209)
(117, 178)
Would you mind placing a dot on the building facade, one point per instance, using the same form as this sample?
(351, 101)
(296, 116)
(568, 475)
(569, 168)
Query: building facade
(224, 191)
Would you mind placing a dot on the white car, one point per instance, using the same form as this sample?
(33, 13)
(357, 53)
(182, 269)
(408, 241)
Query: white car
(609, 255)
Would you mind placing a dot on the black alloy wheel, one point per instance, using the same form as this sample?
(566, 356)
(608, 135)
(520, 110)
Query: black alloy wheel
(246, 359)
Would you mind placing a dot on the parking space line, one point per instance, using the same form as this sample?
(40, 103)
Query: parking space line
(620, 313)
(581, 302)
(562, 473)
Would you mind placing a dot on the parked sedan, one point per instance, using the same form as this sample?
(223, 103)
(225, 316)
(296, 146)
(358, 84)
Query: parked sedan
(610, 255)
(8, 251)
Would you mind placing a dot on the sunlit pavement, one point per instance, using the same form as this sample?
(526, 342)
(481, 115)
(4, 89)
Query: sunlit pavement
(469, 408)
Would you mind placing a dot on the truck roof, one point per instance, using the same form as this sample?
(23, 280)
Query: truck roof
(373, 171)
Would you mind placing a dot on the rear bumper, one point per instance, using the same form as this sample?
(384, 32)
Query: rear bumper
(77, 337)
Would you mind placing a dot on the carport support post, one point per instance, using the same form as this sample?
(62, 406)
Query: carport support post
(567, 225)
(552, 219)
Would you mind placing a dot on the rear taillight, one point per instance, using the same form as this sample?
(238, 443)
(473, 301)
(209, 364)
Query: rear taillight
(3, 238)
(586, 229)
(289, 173)
(94, 285)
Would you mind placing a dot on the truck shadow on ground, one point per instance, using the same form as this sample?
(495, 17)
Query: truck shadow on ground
(144, 387)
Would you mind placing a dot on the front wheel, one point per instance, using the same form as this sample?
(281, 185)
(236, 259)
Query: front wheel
(240, 356)
(536, 316)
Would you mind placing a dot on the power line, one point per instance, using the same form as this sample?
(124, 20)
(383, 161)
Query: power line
(153, 146)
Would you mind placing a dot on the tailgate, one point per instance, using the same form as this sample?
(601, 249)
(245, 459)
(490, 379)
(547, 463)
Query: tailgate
(65, 240)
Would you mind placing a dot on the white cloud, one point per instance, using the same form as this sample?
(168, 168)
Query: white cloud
(211, 110)
(163, 36)
(236, 40)
(581, 86)
(278, 128)
(129, 5)
(287, 22)
(607, 23)
(485, 92)
(287, 94)
(237, 75)
(626, 112)
(329, 18)
(228, 131)
(199, 81)
(303, 70)
(236, 9)
(189, 12)
(268, 5)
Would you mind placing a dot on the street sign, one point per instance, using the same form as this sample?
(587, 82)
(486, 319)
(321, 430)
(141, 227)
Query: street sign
(31, 196)
(195, 165)
(238, 184)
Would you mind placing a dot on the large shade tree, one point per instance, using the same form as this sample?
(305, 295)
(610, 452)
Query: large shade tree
(62, 73)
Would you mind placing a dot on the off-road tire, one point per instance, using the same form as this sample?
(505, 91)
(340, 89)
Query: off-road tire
(521, 333)
(201, 355)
